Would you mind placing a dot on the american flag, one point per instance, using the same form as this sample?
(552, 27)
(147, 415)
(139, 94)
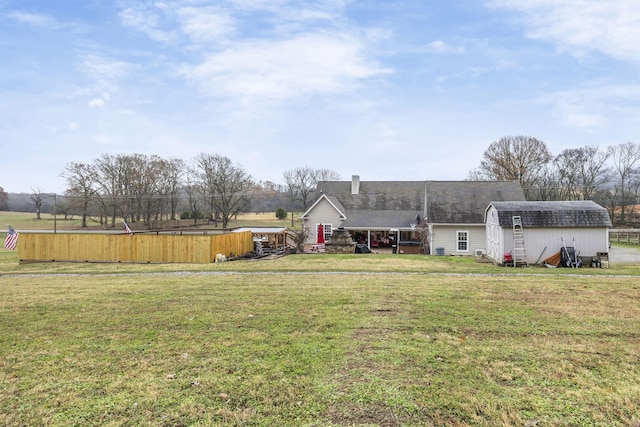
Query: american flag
(127, 229)
(12, 239)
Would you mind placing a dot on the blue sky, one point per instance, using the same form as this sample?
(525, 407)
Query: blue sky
(388, 90)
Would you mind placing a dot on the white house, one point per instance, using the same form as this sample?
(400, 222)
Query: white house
(385, 213)
(546, 228)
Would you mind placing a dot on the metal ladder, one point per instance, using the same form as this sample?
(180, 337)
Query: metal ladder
(519, 252)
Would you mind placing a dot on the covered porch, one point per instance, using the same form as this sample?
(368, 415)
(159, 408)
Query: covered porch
(388, 240)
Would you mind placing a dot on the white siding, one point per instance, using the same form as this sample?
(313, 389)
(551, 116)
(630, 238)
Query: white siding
(322, 213)
(588, 241)
(445, 236)
(541, 243)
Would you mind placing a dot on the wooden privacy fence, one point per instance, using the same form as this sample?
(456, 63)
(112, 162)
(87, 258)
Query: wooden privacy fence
(81, 247)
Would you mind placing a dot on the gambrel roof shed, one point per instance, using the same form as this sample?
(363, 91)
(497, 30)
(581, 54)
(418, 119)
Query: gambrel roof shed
(548, 214)
(547, 226)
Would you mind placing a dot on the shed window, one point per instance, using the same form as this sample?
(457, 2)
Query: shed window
(462, 241)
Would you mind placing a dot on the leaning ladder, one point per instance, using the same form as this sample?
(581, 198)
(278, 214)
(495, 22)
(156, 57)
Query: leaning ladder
(519, 252)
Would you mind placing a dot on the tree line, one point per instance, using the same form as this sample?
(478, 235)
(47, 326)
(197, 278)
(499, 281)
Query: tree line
(210, 187)
(609, 176)
(151, 189)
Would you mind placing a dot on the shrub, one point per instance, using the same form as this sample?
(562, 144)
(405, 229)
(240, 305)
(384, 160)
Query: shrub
(281, 213)
(190, 215)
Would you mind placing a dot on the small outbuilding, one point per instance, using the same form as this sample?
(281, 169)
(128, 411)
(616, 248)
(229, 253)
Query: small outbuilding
(268, 239)
(534, 231)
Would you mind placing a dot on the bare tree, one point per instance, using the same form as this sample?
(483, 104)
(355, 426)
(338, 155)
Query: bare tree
(204, 166)
(300, 237)
(141, 183)
(171, 183)
(37, 197)
(4, 199)
(607, 198)
(326, 175)
(228, 186)
(110, 175)
(292, 190)
(81, 182)
(582, 171)
(549, 185)
(424, 236)
(626, 159)
(301, 182)
(192, 188)
(514, 158)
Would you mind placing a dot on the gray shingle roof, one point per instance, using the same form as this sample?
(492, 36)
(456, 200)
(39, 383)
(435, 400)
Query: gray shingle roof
(380, 219)
(580, 213)
(396, 203)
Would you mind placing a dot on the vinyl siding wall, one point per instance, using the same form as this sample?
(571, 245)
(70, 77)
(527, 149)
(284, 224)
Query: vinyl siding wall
(540, 243)
(588, 241)
(445, 236)
(322, 213)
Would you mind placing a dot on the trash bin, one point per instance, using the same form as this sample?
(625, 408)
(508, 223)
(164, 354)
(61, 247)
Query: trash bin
(440, 251)
(394, 249)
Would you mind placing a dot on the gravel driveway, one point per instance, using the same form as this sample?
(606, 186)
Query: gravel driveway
(624, 255)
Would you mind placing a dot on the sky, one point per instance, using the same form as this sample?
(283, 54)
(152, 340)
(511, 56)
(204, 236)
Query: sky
(387, 90)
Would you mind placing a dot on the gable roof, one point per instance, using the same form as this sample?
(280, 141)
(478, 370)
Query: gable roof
(448, 202)
(578, 213)
(333, 201)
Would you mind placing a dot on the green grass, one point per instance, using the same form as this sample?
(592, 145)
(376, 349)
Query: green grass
(28, 221)
(318, 340)
(309, 263)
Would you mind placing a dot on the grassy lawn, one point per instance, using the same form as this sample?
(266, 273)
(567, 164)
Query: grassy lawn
(318, 340)
(28, 221)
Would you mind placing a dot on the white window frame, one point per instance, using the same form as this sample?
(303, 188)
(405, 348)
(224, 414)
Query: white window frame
(462, 236)
(328, 231)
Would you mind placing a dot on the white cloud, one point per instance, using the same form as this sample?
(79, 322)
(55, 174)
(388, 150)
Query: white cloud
(147, 19)
(106, 72)
(101, 139)
(270, 49)
(34, 19)
(72, 126)
(438, 46)
(595, 107)
(205, 24)
(99, 102)
(303, 64)
(46, 22)
(583, 26)
(96, 102)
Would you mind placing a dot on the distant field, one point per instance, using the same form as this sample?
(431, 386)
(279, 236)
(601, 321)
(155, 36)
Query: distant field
(28, 221)
(318, 340)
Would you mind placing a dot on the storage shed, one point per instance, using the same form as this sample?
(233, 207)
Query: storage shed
(543, 226)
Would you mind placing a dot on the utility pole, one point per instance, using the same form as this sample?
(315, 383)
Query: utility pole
(55, 219)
